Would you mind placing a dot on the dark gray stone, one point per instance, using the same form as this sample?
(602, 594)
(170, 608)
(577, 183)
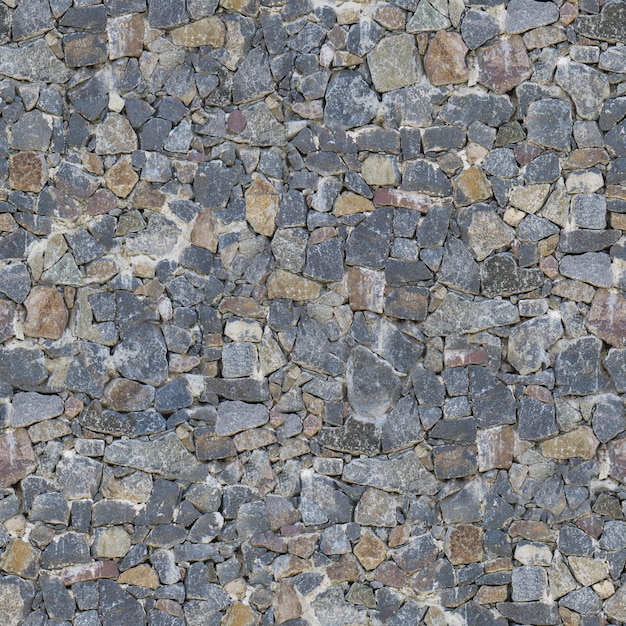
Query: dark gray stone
(23, 368)
(324, 261)
(213, 183)
(610, 25)
(31, 19)
(536, 419)
(172, 396)
(368, 244)
(592, 267)
(583, 601)
(579, 240)
(501, 276)
(492, 402)
(458, 268)
(344, 90)
(31, 132)
(523, 15)
(615, 140)
(549, 123)
(235, 416)
(533, 613)
(167, 14)
(426, 177)
(117, 605)
(253, 79)
(141, 355)
(68, 549)
(477, 28)
(464, 108)
(58, 601)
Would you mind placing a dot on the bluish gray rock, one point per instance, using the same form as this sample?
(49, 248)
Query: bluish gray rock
(344, 91)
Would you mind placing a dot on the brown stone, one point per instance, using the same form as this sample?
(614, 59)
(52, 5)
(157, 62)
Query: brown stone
(503, 65)
(495, 448)
(101, 202)
(282, 284)
(568, 13)
(531, 530)
(346, 569)
(208, 31)
(125, 395)
(46, 315)
(471, 186)
(7, 317)
(491, 594)
(390, 574)
(370, 551)
(48, 430)
(121, 178)
(366, 290)
(262, 206)
(85, 49)
(573, 290)
(21, 559)
(454, 461)
(17, 457)
(28, 171)
(586, 157)
(140, 576)
(245, 7)
(617, 458)
(171, 607)
(286, 604)
(147, 197)
(126, 34)
(607, 317)
(407, 303)
(303, 545)
(349, 203)
(73, 406)
(402, 199)
(445, 60)
(239, 614)
(399, 535)
(392, 18)
(204, 233)
(580, 442)
(464, 544)
(89, 571)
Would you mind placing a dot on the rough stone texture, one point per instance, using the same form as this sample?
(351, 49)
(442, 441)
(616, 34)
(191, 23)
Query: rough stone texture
(312, 312)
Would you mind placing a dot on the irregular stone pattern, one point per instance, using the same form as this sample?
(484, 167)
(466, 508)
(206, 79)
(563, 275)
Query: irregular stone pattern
(312, 312)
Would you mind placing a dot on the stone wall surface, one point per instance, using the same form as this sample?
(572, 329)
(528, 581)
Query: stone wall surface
(312, 313)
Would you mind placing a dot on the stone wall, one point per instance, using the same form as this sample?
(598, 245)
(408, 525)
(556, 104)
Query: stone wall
(311, 313)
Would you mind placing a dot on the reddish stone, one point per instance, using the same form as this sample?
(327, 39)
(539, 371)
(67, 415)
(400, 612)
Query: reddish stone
(504, 65)
(390, 574)
(402, 199)
(445, 60)
(28, 171)
(464, 544)
(346, 569)
(146, 197)
(101, 202)
(287, 606)
(236, 122)
(46, 313)
(89, 571)
(467, 356)
(525, 152)
(17, 457)
(607, 317)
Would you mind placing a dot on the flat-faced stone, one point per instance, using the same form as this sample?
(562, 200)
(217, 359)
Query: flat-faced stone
(366, 289)
(30, 407)
(607, 317)
(115, 135)
(493, 403)
(609, 25)
(141, 355)
(549, 123)
(376, 508)
(454, 461)
(577, 366)
(483, 230)
(409, 303)
(126, 35)
(587, 87)
(17, 457)
(538, 613)
(33, 62)
(121, 178)
(580, 442)
(594, 268)
(15, 282)
(85, 49)
(262, 202)
(529, 342)
(394, 63)
(46, 313)
(471, 186)
(523, 15)
(128, 395)
(140, 576)
(464, 544)
(21, 559)
(458, 268)
(504, 65)
(16, 597)
(283, 284)
(345, 89)
(495, 448)
(28, 171)
(236, 416)
(207, 31)
(426, 18)
(445, 59)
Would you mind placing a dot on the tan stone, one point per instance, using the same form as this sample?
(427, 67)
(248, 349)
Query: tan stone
(399, 535)
(17, 457)
(588, 571)
(445, 60)
(471, 186)
(126, 34)
(394, 63)
(503, 65)
(46, 315)
(495, 448)
(135, 487)
(370, 551)
(121, 178)
(286, 605)
(171, 607)
(392, 18)
(464, 544)
(146, 196)
(204, 232)
(531, 530)
(245, 7)
(125, 395)
(282, 284)
(490, 595)
(262, 201)
(607, 317)
(111, 543)
(407, 303)
(241, 306)
(580, 442)
(28, 171)
(208, 31)
(529, 199)
(618, 221)
(366, 290)
(349, 203)
(48, 430)
(573, 290)
(140, 576)
(380, 169)
(21, 559)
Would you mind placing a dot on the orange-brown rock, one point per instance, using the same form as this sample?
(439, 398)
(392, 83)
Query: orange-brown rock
(464, 544)
(46, 315)
(262, 206)
(445, 60)
(349, 203)
(580, 442)
(208, 31)
(21, 559)
(121, 178)
(28, 171)
(140, 576)
(286, 604)
(204, 232)
(471, 186)
(370, 551)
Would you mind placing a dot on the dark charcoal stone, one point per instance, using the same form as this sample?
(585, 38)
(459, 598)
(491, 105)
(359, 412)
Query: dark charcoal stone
(577, 367)
(536, 419)
(425, 177)
(493, 404)
(344, 89)
(501, 276)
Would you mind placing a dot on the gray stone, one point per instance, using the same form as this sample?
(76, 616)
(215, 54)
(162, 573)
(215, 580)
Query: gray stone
(239, 359)
(530, 612)
(426, 18)
(253, 79)
(324, 261)
(236, 416)
(395, 347)
(492, 402)
(141, 355)
(15, 282)
(57, 599)
(426, 177)
(615, 365)
(413, 106)
(549, 123)
(483, 230)
(607, 26)
(68, 549)
(31, 132)
(117, 605)
(523, 15)
(346, 89)
(587, 87)
(313, 349)
(458, 268)
(22, 368)
(464, 108)
(592, 267)
(402, 429)
(213, 183)
(402, 474)
(529, 583)
(501, 276)
(429, 390)
(31, 19)
(16, 597)
(529, 342)
(577, 366)
(616, 141)
(167, 14)
(578, 240)
(536, 419)
(33, 62)
(28, 408)
(478, 27)
(394, 63)
(583, 601)
(356, 436)
(372, 384)
(165, 456)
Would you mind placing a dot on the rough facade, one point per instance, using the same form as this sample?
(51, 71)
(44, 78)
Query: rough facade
(312, 313)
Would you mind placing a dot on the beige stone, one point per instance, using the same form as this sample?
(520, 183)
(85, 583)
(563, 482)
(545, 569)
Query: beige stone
(580, 442)
(21, 559)
(140, 576)
(282, 284)
(28, 171)
(573, 290)
(208, 31)
(379, 169)
(111, 543)
(588, 571)
(394, 63)
(121, 178)
(445, 60)
(366, 290)
(262, 206)
(607, 317)
(286, 605)
(349, 203)
(204, 233)
(495, 448)
(115, 135)
(126, 34)
(529, 199)
(370, 551)
(46, 314)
